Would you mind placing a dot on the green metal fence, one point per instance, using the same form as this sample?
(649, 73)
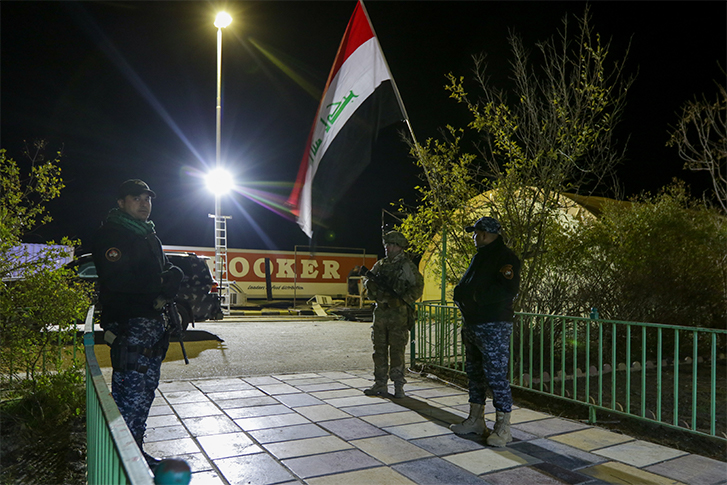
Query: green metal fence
(112, 454)
(673, 375)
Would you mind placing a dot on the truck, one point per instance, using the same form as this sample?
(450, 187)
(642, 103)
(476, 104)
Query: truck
(298, 274)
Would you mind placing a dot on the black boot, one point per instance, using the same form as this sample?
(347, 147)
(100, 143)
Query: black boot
(150, 460)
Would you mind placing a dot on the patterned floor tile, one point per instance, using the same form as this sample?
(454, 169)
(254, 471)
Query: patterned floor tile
(171, 448)
(378, 408)
(438, 392)
(298, 399)
(330, 463)
(178, 397)
(210, 425)
(276, 421)
(206, 478)
(390, 449)
(222, 396)
(274, 435)
(310, 381)
(370, 476)
(175, 386)
(229, 404)
(450, 444)
(418, 430)
(336, 375)
(218, 385)
(394, 419)
(191, 410)
(562, 474)
(550, 427)
(692, 469)
(522, 416)
(449, 400)
(357, 400)
(311, 388)
(164, 433)
(336, 393)
(258, 469)
(257, 411)
(549, 455)
(436, 471)
(275, 389)
(197, 462)
(591, 439)
(322, 412)
(305, 447)
(522, 475)
(227, 445)
(295, 377)
(639, 453)
(162, 420)
(261, 381)
(485, 460)
(351, 428)
(358, 382)
(565, 450)
(160, 409)
(622, 474)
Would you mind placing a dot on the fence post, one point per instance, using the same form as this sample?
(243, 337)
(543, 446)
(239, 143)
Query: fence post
(412, 337)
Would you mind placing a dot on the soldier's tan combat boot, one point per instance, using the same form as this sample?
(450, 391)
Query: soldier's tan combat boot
(501, 432)
(399, 390)
(475, 422)
(378, 389)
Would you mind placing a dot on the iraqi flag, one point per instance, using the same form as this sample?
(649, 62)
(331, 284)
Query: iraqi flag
(359, 99)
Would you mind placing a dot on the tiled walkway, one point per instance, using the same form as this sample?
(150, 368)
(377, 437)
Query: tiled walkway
(320, 429)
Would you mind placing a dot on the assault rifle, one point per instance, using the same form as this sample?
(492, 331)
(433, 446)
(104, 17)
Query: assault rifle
(170, 308)
(384, 285)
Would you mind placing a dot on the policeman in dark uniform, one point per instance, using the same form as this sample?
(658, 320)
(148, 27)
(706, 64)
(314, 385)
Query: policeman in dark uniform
(135, 281)
(485, 296)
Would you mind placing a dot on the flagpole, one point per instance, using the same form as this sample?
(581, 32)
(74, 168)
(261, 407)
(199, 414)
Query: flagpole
(416, 145)
(393, 81)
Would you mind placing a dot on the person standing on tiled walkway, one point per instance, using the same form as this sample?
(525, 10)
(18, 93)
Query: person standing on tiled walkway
(395, 283)
(485, 296)
(135, 281)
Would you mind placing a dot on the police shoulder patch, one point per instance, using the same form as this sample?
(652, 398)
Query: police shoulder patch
(113, 254)
(507, 271)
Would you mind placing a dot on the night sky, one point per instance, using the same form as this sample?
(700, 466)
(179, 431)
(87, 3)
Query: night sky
(128, 90)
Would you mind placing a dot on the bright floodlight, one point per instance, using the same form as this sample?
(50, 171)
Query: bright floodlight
(222, 20)
(219, 181)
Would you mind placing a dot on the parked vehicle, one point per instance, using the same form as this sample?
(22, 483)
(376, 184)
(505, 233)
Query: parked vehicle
(197, 299)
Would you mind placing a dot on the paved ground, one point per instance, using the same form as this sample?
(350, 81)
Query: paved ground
(318, 428)
(285, 406)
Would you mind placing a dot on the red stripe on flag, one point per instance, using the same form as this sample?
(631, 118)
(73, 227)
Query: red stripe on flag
(357, 32)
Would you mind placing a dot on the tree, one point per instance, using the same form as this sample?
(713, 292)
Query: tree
(701, 137)
(553, 134)
(39, 302)
(660, 259)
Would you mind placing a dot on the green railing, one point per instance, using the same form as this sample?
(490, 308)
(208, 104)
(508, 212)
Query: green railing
(112, 454)
(673, 375)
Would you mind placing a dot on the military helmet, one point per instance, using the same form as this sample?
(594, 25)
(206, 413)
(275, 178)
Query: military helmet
(395, 237)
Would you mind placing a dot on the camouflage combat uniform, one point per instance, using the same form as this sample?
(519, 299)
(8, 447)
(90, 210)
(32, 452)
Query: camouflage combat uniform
(134, 275)
(393, 318)
(485, 296)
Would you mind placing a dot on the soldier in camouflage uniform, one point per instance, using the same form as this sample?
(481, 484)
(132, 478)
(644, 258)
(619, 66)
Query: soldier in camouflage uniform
(395, 285)
(135, 281)
(485, 296)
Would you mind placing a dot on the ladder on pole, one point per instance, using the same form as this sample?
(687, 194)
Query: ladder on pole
(221, 261)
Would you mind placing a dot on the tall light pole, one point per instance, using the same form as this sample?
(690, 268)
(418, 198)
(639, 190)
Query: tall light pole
(221, 21)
